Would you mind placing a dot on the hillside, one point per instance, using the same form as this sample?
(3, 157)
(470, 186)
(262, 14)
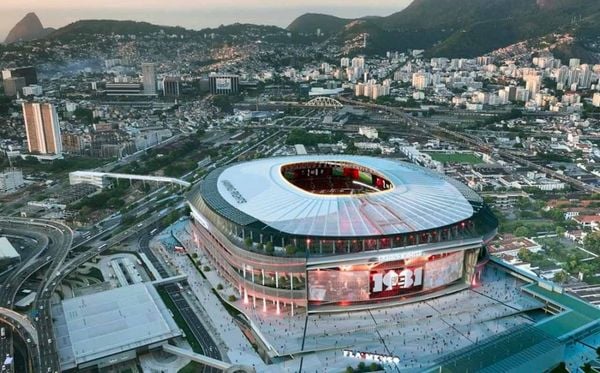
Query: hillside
(310, 22)
(455, 28)
(107, 27)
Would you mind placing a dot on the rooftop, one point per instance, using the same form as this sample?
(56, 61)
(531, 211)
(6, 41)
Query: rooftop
(98, 325)
(417, 200)
(7, 251)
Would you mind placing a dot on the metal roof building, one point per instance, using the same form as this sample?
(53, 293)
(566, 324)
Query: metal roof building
(7, 251)
(111, 326)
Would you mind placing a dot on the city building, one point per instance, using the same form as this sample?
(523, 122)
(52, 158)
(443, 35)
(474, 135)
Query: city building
(11, 180)
(368, 132)
(596, 99)
(124, 89)
(72, 143)
(224, 84)
(13, 86)
(96, 179)
(8, 254)
(339, 233)
(100, 329)
(171, 86)
(42, 128)
(33, 90)
(421, 80)
(28, 72)
(149, 78)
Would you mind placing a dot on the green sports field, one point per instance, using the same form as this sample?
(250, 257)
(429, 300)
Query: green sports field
(455, 157)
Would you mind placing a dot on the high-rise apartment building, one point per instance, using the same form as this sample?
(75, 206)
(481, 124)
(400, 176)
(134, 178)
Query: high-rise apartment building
(13, 86)
(171, 86)
(28, 72)
(421, 80)
(149, 78)
(224, 84)
(42, 128)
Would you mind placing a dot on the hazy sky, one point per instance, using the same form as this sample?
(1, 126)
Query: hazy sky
(193, 14)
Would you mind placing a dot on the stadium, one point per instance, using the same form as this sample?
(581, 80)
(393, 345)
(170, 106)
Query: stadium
(339, 233)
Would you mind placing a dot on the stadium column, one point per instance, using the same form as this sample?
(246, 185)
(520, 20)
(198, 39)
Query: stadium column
(253, 295)
(245, 287)
(277, 287)
(262, 272)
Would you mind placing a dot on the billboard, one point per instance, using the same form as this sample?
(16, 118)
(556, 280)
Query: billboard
(395, 281)
(335, 285)
(223, 83)
(385, 279)
(444, 270)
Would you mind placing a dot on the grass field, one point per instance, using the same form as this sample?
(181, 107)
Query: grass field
(455, 157)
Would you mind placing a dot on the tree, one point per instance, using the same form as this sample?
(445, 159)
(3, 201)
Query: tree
(560, 231)
(524, 254)
(223, 103)
(561, 277)
(290, 250)
(362, 366)
(374, 367)
(522, 232)
(269, 247)
(349, 369)
(591, 242)
(248, 242)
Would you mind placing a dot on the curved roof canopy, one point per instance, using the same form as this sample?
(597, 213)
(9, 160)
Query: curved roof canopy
(257, 191)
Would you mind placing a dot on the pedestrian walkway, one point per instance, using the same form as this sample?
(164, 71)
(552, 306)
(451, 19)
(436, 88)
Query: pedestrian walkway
(238, 348)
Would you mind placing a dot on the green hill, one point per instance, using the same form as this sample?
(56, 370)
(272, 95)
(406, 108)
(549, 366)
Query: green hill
(460, 27)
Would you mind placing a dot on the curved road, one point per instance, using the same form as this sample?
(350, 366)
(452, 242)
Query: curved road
(51, 252)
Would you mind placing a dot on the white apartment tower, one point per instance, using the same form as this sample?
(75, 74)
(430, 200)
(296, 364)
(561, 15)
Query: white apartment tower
(149, 78)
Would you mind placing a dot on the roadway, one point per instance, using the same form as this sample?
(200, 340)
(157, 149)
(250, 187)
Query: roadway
(208, 345)
(51, 253)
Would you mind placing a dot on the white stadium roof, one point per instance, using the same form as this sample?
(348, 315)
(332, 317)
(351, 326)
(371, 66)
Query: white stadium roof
(420, 199)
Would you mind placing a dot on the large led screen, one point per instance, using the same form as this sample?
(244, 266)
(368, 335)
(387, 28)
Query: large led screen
(383, 280)
(444, 270)
(334, 285)
(392, 282)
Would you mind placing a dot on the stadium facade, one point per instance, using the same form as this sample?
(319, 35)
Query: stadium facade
(339, 233)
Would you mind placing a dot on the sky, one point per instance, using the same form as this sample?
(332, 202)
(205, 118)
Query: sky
(193, 14)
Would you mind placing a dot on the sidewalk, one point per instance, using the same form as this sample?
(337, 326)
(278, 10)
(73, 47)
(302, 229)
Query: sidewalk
(228, 336)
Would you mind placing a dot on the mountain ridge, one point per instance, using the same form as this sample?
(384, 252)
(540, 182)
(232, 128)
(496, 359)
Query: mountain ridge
(28, 28)
(457, 28)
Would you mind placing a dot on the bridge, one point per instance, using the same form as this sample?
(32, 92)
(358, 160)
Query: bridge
(21, 323)
(322, 101)
(202, 359)
(99, 179)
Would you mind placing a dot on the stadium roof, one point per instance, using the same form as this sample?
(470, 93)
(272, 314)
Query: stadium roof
(102, 324)
(257, 191)
(7, 251)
